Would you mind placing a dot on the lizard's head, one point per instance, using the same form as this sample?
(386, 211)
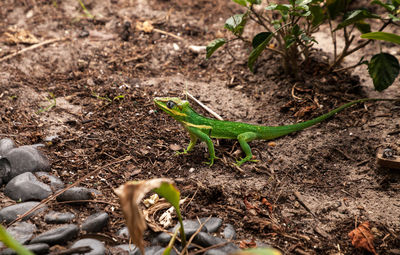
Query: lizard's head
(174, 106)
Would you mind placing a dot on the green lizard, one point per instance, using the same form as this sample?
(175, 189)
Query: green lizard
(200, 127)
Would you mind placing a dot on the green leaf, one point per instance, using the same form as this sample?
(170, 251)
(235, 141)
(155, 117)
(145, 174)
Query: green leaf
(289, 40)
(335, 7)
(172, 195)
(394, 18)
(236, 23)
(303, 2)
(389, 37)
(355, 16)
(241, 2)
(388, 7)
(10, 242)
(260, 38)
(383, 69)
(254, 1)
(213, 46)
(363, 27)
(255, 53)
(278, 7)
(258, 251)
(317, 15)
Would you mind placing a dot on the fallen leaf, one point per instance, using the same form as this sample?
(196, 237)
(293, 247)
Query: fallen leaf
(17, 35)
(130, 195)
(361, 238)
(264, 201)
(272, 144)
(146, 26)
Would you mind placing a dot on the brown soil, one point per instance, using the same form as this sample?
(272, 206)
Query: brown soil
(332, 165)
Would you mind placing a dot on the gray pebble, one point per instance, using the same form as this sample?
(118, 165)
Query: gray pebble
(225, 250)
(5, 170)
(123, 232)
(26, 187)
(25, 159)
(55, 182)
(58, 235)
(37, 248)
(95, 222)
(190, 226)
(206, 240)
(6, 145)
(162, 239)
(212, 224)
(152, 250)
(229, 232)
(10, 213)
(125, 249)
(22, 231)
(98, 247)
(74, 194)
(58, 217)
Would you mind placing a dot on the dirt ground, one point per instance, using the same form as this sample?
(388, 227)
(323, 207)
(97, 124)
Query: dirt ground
(308, 191)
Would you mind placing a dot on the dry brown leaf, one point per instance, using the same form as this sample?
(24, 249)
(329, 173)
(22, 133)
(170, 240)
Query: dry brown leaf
(130, 195)
(362, 238)
(146, 26)
(17, 35)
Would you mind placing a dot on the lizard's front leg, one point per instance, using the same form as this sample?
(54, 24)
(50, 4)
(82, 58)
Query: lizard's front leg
(193, 140)
(243, 139)
(204, 137)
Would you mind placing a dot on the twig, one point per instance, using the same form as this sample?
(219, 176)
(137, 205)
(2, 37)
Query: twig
(300, 199)
(32, 48)
(209, 248)
(204, 107)
(168, 33)
(55, 195)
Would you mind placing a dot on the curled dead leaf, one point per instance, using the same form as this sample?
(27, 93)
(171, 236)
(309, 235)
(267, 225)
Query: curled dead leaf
(362, 238)
(130, 195)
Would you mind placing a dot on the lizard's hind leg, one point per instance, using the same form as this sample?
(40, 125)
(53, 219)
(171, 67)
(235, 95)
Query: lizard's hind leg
(243, 139)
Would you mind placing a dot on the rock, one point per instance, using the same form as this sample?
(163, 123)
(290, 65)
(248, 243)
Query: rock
(152, 250)
(229, 232)
(190, 226)
(22, 231)
(58, 235)
(206, 240)
(6, 145)
(225, 250)
(55, 182)
(95, 222)
(37, 248)
(74, 194)
(125, 249)
(213, 224)
(58, 217)
(98, 247)
(25, 159)
(10, 213)
(123, 232)
(26, 187)
(162, 239)
(5, 170)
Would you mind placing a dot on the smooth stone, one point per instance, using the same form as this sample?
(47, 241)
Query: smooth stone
(125, 249)
(58, 235)
(229, 232)
(58, 217)
(152, 250)
(22, 231)
(190, 226)
(206, 240)
(74, 194)
(213, 224)
(123, 232)
(98, 247)
(5, 170)
(25, 159)
(6, 144)
(162, 239)
(225, 250)
(95, 222)
(26, 187)
(55, 182)
(10, 213)
(37, 248)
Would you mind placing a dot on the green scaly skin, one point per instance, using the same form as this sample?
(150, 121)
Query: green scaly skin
(200, 127)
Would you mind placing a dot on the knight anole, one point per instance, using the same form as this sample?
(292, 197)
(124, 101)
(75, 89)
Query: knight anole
(200, 127)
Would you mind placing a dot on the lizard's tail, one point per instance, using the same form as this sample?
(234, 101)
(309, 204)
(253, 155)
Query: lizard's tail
(284, 130)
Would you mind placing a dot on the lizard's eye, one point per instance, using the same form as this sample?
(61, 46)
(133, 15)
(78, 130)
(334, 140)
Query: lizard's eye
(170, 104)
